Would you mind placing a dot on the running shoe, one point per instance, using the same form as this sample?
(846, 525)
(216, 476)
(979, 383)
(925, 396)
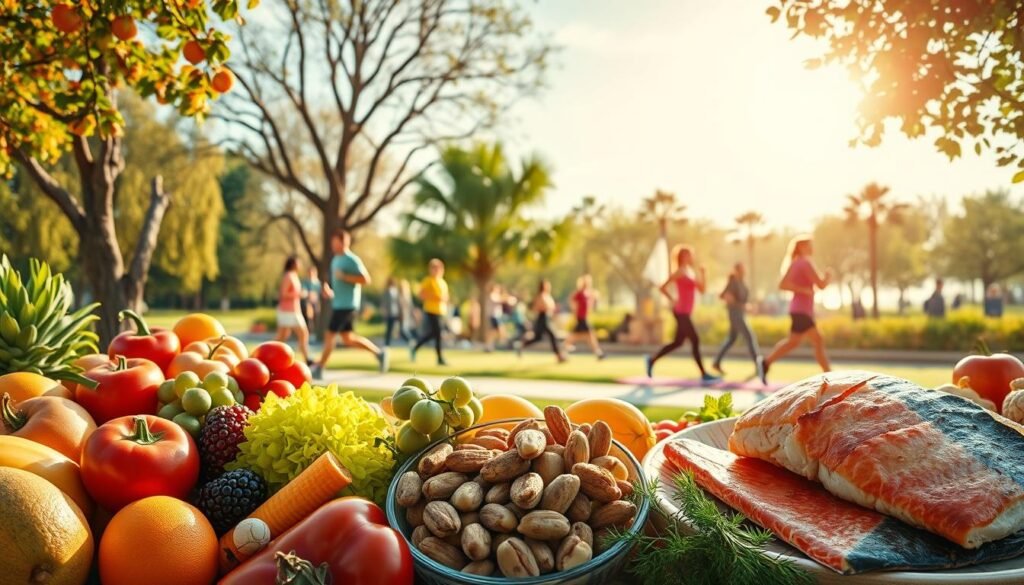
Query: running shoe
(317, 371)
(442, 362)
(710, 378)
(412, 353)
(518, 346)
(382, 361)
(762, 370)
(649, 366)
(601, 356)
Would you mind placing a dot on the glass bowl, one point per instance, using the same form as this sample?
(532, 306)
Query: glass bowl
(598, 570)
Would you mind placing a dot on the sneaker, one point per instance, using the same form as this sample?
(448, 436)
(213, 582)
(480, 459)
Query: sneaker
(317, 371)
(442, 362)
(518, 346)
(762, 370)
(718, 368)
(649, 366)
(601, 356)
(710, 378)
(412, 353)
(382, 360)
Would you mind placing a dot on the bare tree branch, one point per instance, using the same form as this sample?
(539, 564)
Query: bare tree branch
(52, 189)
(299, 228)
(159, 200)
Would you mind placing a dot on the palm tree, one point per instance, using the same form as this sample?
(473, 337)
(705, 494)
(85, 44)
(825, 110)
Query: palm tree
(472, 217)
(664, 209)
(747, 225)
(872, 207)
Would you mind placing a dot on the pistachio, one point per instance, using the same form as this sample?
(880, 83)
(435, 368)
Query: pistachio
(516, 560)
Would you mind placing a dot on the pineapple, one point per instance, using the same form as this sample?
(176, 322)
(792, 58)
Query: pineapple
(37, 332)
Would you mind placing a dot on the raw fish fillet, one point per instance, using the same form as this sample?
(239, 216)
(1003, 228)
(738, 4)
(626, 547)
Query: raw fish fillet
(933, 460)
(838, 534)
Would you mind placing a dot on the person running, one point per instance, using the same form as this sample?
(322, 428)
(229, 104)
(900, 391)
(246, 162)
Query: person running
(391, 309)
(688, 280)
(544, 306)
(434, 294)
(582, 301)
(312, 289)
(735, 296)
(800, 277)
(348, 276)
(496, 330)
(406, 309)
(289, 312)
(516, 310)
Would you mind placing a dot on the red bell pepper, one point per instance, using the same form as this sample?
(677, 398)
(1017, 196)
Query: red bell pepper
(135, 457)
(349, 537)
(156, 344)
(123, 387)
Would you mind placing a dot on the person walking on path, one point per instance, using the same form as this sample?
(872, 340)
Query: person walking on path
(391, 309)
(407, 310)
(348, 276)
(736, 296)
(289, 313)
(688, 279)
(583, 301)
(544, 306)
(935, 306)
(312, 290)
(800, 277)
(434, 294)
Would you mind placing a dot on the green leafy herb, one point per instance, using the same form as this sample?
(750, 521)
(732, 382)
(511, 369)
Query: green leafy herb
(713, 409)
(704, 546)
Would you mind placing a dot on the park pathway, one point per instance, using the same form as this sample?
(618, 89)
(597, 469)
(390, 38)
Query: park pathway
(541, 390)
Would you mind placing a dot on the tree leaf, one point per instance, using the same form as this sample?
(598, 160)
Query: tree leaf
(1018, 177)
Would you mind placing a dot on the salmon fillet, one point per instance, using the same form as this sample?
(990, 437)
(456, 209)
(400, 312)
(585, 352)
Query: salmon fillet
(933, 460)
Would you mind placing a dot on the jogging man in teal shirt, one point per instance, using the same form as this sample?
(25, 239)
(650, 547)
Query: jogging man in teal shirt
(348, 275)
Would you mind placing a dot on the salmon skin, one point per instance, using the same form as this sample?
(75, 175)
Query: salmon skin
(936, 461)
(843, 536)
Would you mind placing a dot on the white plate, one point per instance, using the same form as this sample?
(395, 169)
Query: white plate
(1010, 572)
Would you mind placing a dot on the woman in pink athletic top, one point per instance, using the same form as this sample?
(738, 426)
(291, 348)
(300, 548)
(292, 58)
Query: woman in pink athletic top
(688, 281)
(800, 277)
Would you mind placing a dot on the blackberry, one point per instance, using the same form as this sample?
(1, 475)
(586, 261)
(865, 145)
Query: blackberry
(219, 439)
(230, 498)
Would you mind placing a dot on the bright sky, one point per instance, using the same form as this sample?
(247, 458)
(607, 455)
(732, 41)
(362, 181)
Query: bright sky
(710, 100)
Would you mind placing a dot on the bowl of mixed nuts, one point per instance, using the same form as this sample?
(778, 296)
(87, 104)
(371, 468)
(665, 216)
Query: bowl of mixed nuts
(529, 500)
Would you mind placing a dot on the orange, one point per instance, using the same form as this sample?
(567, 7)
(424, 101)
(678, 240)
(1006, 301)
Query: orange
(499, 406)
(197, 327)
(158, 540)
(629, 426)
(223, 81)
(24, 385)
(193, 52)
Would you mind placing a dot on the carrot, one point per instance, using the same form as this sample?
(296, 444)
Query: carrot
(315, 486)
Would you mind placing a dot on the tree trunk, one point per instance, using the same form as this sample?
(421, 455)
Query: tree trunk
(901, 300)
(873, 261)
(483, 292)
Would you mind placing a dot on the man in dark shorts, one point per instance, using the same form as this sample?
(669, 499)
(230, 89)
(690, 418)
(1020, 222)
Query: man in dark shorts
(348, 275)
(582, 301)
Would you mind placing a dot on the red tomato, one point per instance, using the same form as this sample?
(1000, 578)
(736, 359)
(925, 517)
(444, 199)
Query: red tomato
(989, 375)
(156, 344)
(276, 355)
(282, 388)
(253, 401)
(670, 425)
(251, 375)
(298, 374)
(123, 387)
(662, 434)
(134, 457)
(350, 535)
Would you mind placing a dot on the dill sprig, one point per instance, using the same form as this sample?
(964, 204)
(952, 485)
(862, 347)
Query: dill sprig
(703, 546)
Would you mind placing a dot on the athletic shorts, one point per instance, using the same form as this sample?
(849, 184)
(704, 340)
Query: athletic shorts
(582, 326)
(495, 323)
(342, 320)
(801, 322)
(290, 319)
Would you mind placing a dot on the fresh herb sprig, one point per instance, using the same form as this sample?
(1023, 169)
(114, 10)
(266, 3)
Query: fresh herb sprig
(713, 409)
(703, 546)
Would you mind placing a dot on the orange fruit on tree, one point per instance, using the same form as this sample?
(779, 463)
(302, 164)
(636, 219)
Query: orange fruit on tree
(197, 327)
(24, 385)
(124, 27)
(223, 81)
(66, 18)
(193, 52)
(158, 540)
(629, 426)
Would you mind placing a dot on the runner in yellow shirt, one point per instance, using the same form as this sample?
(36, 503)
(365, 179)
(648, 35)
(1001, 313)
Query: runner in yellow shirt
(434, 294)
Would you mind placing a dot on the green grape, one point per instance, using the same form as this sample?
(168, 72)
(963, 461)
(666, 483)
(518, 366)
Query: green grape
(189, 423)
(239, 396)
(426, 416)
(215, 381)
(170, 410)
(456, 390)
(477, 407)
(466, 417)
(451, 416)
(403, 400)
(184, 381)
(233, 385)
(196, 401)
(166, 392)
(441, 433)
(410, 441)
(419, 383)
(222, 397)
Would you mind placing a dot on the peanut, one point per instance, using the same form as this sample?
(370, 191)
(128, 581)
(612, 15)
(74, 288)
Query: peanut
(544, 525)
(505, 467)
(443, 552)
(527, 490)
(433, 462)
(442, 486)
(516, 560)
(408, 493)
(530, 443)
(498, 518)
(476, 542)
(442, 519)
(560, 493)
(468, 497)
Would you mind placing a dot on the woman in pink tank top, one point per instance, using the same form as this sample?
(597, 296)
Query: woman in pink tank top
(289, 315)
(688, 280)
(800, 277)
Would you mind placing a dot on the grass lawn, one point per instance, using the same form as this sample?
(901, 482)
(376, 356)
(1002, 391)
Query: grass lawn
(584, 367)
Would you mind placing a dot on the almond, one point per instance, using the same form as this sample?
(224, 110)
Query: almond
(442, 486)
(584, 531)
(490, 443)
(483, 568)
(529, 423)
(505, 467)
(418, 534)
(476, 542)
(496, 433)
(548, 466)
(414, 514)
(527, 490)
(580, 508)
(530, 443)
(584, 428)
(544, 525)
(443, 552)
(612, 464)
(499, 493)
(597, 482)
(498, 518)
(408, 493)
(468, 497)
(433, 462)
(618, 514)
(558, 423)
(625, 487)
(556, 449)
(543, 554)
(516, 560)
(442, 519)
(560, 493)
(469, 447)
(600, 439)
(468, 461)
(572, 553)
(577, 449)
